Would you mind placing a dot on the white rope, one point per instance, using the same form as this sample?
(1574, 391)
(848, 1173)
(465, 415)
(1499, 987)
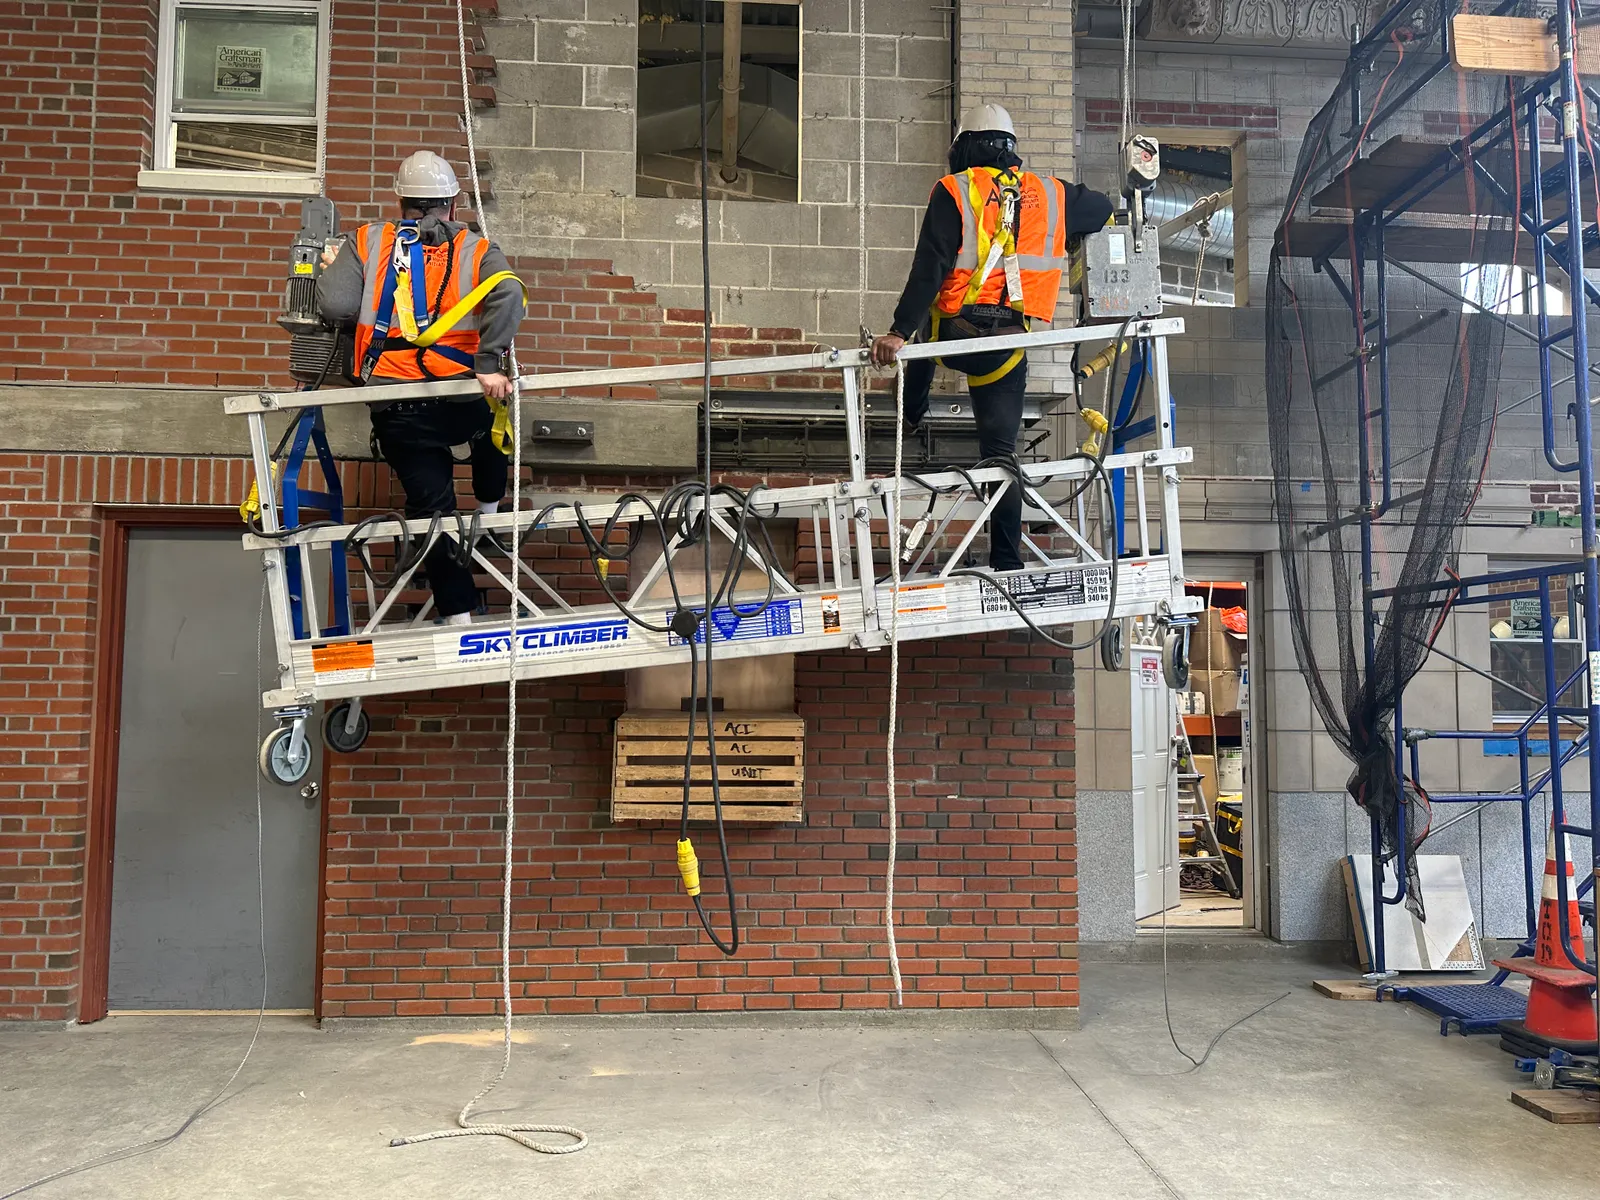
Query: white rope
(1126, 126)
(861, 172)
(466, 1128)
(894, 675)
(322, 134)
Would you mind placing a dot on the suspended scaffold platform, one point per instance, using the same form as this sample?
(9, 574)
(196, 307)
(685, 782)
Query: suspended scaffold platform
(1077, 573)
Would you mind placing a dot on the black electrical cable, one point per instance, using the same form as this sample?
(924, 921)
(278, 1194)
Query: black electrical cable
(407, 552)
(1097, 471)
(732, 945)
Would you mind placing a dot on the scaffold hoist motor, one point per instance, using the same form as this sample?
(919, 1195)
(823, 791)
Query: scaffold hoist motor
(318, 350)
(1115, 272)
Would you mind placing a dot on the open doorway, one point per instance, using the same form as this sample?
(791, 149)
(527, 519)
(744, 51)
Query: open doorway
(1211, 809)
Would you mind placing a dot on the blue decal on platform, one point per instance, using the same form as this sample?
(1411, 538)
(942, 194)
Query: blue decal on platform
(474, 646)
(778, 619)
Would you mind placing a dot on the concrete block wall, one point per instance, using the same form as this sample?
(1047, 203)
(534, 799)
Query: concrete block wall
(562, 139)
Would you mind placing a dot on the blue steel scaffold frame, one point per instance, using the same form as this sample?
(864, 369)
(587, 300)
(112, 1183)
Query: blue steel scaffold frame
(1560, 241)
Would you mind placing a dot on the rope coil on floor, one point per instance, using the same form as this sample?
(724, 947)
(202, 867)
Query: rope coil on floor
(519, 1133)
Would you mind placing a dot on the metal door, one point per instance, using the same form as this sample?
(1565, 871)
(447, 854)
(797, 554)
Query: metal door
(185, 919)
(1155, 834)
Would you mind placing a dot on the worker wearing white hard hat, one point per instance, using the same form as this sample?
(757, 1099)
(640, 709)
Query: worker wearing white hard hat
(431, 298)
(989, 261)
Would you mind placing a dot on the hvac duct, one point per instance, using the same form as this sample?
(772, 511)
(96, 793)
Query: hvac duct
(1171, 199)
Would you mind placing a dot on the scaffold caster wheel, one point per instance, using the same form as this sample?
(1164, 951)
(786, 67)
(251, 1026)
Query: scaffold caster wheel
(338, 736)
(275, 762)
(1111, 647)
(1175, 660)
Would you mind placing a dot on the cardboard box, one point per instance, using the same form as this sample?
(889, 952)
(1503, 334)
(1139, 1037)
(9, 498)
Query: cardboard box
(1211, 646)
(1192, 704)
(1206, 765)
(1221, 690)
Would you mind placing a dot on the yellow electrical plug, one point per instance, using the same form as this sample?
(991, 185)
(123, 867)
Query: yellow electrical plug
(688, 867)
(250, 510)
(603, 566)
(1102, 360)
(1097, 423)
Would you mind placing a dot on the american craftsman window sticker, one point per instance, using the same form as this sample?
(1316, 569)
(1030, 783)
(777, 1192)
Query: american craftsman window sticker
(240, 69)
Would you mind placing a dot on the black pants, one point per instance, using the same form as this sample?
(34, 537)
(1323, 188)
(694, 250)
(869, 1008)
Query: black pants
(415, 437)
(997, 410)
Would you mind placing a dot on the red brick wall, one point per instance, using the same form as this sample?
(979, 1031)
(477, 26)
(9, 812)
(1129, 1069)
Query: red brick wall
(123, 286)
(1103, 115)
(987, 869)
(986, 888)
(139, 289)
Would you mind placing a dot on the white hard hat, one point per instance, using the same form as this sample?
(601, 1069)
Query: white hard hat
(425, 176)
(987, 118)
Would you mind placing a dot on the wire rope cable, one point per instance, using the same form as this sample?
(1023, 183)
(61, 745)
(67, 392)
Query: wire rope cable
(521, 1133)
(861, 167)
(217, 1097)
(1169, 838)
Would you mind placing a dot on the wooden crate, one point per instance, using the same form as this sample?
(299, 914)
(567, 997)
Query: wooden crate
(761, 764)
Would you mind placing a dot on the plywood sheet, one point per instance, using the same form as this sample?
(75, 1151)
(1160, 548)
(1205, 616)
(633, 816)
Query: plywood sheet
(1513, 46)
(1448, 941)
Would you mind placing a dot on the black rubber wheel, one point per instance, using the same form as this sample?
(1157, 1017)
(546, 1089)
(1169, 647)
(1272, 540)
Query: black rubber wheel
(333, 731)
(1175, 659)
(1111, 647)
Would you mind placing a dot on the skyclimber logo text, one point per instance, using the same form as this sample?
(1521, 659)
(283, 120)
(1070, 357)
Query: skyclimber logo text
(548, 639)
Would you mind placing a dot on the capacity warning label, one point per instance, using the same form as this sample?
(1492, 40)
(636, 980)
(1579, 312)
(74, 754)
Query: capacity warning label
(343, 662)
(778, 619)
(1047, 591)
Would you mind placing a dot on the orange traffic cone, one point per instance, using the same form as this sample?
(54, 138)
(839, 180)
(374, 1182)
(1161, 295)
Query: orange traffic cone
(1560, 1007)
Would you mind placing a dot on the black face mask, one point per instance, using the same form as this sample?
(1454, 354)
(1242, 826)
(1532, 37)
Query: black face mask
(983, 148)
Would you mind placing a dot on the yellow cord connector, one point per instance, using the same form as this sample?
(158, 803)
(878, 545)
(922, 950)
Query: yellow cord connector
(250, 510)
(1097, 423)
(688, 867)
(603, 565)
(1102, 360)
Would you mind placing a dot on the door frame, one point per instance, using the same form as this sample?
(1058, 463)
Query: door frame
(1249, 568)
(117, 522)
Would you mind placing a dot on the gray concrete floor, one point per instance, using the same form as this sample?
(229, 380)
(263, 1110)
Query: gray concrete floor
(1313, 1098)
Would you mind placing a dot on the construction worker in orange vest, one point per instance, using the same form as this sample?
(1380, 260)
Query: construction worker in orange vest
(988, 261)
(431, 299)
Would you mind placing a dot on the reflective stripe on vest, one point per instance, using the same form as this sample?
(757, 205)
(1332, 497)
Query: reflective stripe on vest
(452, 350)
(1041, 241)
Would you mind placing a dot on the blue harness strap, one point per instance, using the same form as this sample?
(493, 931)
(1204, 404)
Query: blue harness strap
(384, 317)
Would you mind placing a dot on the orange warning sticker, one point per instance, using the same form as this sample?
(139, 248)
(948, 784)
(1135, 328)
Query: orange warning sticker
(341, 656)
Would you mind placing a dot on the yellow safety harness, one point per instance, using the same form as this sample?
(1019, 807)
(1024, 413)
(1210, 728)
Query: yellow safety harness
(500, 432)
(1000, 246)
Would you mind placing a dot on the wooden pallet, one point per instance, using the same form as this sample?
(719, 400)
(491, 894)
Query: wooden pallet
(761, 760)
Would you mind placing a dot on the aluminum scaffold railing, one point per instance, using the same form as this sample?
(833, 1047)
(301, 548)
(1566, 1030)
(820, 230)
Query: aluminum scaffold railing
(1375, 240)
(1076, 574)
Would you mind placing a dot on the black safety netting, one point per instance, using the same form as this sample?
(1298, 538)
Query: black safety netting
(1416, 421)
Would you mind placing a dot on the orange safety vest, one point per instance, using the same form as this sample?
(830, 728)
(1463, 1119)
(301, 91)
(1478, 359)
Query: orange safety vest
(1038, 243)
(452, 272)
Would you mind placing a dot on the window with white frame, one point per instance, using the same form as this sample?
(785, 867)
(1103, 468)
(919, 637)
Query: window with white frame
(1509, 291)
(240, 87)
(1516, 643)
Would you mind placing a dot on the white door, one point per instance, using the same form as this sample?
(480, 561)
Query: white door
(1155, 792)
